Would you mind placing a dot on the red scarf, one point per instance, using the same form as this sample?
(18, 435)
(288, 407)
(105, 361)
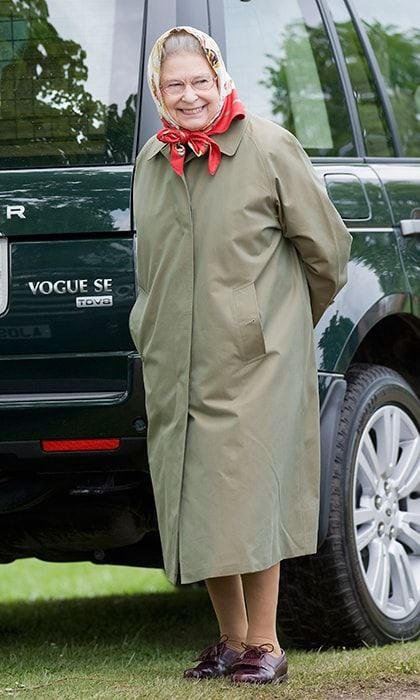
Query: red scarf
(200, 141)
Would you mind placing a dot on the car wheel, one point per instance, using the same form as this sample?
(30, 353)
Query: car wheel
(363, 586)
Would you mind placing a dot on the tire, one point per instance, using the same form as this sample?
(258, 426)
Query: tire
(363, 586)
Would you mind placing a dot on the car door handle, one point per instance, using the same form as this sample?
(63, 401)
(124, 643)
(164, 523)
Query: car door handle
(410, 226)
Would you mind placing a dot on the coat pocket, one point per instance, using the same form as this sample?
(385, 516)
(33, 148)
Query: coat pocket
(136, 317)
(248, 321)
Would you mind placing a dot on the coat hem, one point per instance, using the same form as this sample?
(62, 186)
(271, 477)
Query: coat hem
(234, 570)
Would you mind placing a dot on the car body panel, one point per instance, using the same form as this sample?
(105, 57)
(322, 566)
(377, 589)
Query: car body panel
(60, 201)
(375, 271)
(402, 185)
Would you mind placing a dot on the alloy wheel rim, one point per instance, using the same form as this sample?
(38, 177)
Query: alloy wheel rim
(386, 511)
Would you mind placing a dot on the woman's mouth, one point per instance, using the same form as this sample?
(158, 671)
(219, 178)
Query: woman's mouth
(192, 112)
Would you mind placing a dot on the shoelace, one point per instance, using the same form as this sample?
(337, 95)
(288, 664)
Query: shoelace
(211, 652)
(256, 652)
(250, 657)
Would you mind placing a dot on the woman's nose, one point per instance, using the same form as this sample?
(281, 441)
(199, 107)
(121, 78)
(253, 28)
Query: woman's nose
(189, 95)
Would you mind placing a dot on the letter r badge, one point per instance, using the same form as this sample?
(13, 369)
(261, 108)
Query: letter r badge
(15, 210)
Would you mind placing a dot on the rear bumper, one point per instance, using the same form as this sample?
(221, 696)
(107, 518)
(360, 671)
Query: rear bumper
(24, 424)
(28, 456)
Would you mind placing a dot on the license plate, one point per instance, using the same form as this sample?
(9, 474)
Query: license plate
(4, 274)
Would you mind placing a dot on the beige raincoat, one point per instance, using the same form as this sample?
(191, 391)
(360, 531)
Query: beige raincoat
(234, 271)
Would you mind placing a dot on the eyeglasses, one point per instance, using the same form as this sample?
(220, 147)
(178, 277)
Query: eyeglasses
(177, 87)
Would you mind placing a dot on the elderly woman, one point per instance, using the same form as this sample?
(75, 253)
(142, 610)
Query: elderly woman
(240, 252)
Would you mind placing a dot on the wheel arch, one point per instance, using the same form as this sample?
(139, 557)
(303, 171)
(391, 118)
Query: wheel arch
(389, 335)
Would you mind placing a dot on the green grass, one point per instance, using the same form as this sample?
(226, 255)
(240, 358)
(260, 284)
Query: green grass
(80, 631)
(30, 579)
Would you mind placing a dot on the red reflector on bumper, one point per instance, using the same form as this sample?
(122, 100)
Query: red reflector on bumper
(80, 445)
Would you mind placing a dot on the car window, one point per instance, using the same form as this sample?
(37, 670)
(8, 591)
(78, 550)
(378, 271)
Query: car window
(68, 81)
(394, 32)
(280, 59)
(376, 134)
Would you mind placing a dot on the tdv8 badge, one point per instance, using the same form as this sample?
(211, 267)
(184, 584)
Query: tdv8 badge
(92, 302)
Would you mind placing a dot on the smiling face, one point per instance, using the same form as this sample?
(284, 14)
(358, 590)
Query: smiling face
(193, 109)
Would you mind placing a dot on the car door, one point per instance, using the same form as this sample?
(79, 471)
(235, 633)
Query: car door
(392, 31)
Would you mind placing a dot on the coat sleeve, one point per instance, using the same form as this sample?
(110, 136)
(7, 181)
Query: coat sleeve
(312, 224)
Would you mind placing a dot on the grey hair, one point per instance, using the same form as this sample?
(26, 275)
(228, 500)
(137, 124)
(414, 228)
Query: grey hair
(181, 42)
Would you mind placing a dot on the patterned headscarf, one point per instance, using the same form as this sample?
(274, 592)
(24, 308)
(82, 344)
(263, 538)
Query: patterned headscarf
(230, 107)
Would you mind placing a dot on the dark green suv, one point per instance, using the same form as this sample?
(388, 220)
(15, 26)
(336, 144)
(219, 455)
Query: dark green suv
(74, 110)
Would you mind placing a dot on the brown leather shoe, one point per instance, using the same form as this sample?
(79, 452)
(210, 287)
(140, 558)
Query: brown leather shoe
(257, 664)
(214, 661)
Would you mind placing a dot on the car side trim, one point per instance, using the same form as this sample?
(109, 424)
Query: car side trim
(4, 273)
(370, 229)
(329, 420)
(67, 397)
